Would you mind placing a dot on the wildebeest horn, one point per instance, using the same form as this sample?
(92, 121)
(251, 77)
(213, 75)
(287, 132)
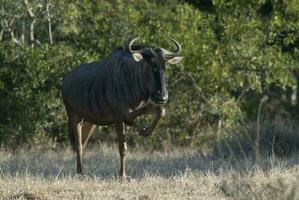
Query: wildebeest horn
(170, 54)
(131, 43)
(178, 46)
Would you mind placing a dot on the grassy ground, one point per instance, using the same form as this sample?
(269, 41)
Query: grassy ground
(179, 174)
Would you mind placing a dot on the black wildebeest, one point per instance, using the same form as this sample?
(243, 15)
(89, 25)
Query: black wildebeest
(116, 90)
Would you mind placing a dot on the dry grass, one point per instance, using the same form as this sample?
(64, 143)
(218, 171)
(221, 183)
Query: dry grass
(179, 174)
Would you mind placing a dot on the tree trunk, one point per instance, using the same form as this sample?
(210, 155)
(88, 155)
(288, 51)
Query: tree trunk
(32, 21)
(49, 21)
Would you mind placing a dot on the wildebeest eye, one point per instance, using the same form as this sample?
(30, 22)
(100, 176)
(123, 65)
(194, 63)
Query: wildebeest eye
(155, 69)
(153, 59)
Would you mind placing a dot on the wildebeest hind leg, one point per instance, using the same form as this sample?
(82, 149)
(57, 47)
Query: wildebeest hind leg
(78, 139)
(75, 126)
(87, 131)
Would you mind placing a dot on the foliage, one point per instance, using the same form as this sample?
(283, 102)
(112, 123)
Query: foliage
(235, 52)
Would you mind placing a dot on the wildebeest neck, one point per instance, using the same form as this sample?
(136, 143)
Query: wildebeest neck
(127, 79)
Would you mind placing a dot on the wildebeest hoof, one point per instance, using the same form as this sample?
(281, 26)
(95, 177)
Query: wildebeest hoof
(125, 179)
(144, 132)
(80, 176)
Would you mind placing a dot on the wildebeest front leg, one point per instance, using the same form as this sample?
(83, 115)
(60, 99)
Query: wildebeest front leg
(120, 129)
(158, 112)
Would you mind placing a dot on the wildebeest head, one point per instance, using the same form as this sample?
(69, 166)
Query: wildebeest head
(156, 61)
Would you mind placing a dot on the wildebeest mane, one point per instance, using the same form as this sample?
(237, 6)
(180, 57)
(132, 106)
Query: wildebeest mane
(128, 77)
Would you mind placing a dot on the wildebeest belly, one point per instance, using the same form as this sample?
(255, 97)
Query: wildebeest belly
(91, 108)
(80, 91)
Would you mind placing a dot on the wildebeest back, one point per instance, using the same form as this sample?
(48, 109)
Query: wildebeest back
(99, 91)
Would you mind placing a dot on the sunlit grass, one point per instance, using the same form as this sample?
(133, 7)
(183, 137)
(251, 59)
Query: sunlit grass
(179, 174)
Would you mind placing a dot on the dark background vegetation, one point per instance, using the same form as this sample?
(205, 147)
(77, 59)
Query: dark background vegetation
(239, 56)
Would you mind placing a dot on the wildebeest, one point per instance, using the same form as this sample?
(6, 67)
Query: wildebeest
(116, 90)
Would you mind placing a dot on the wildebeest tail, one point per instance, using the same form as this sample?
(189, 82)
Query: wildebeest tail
(72, 139)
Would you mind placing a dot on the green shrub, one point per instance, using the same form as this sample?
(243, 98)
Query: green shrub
(232, 50)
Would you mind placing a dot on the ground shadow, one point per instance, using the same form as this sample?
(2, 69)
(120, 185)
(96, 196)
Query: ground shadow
(105, 164)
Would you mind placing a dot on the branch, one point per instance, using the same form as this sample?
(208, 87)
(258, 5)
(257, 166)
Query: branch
(2, 23)
(189, 76)
(12, 35)
(32, 30)
(23, 31)
(49, 21)
(31, 14)
(1, 34)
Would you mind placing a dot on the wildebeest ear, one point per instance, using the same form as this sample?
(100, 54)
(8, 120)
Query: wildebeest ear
(175, 60)
(137, 57)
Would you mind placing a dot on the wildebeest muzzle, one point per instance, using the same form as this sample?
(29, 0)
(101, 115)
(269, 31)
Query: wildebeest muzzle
(159, 97)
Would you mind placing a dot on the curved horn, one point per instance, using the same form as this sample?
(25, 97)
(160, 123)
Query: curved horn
(131, 43)
(177, 51)
(178, 46)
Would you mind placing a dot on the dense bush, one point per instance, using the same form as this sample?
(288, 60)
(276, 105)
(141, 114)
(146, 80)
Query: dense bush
(235, 52)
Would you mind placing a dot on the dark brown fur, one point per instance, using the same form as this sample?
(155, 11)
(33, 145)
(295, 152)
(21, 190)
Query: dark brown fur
(113, 91)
